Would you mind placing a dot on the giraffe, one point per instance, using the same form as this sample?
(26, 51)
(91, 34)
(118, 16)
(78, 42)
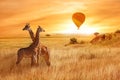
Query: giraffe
(42, 49)
(31, 50)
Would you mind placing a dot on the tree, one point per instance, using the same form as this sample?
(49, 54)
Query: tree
(96, 33)
(117, 31)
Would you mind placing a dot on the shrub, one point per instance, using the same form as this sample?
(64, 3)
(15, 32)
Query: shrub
(73, 41)
(117, 31)
(48, 35)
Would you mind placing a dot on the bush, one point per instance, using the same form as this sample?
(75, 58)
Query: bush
(73, 41)
(48, 35)
(118, 31)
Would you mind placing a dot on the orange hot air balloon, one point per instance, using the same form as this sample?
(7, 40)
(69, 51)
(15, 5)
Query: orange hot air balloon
(78, 18)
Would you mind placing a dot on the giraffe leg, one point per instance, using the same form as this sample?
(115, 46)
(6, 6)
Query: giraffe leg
(33, 60)
(38, 52)
(46, 58)
(19, 58)
(37, 59)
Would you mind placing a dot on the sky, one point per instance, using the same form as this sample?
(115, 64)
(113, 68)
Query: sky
(56, 16)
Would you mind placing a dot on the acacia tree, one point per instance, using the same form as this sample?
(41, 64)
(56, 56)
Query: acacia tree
(96, 33)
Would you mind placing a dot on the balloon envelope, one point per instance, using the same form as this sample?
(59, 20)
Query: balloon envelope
(78, 18)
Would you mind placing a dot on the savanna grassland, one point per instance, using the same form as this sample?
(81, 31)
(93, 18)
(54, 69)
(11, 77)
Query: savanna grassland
(74, 62)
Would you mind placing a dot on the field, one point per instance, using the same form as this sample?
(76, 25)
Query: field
(74, 62)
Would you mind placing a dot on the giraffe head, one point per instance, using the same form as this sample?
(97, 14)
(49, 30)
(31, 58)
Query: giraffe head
(27, 27)
(40, 29)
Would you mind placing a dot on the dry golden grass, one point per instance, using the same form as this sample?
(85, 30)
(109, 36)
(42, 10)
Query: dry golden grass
(74, 62)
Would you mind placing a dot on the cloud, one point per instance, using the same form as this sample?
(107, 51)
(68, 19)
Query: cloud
(16, 13)
(104, 11)
(25, 10)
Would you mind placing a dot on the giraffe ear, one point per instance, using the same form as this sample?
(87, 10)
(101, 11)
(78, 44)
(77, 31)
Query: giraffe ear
(39, 26)
(28, 25)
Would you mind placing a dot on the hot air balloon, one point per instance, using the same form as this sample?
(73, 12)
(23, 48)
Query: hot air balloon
(78, 19)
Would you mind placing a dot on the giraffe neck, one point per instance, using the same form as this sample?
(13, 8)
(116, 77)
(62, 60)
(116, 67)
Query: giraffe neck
(31, 35)
(37, 38)
(36, 41)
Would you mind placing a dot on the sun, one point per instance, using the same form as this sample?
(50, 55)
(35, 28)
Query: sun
(84, 29)
(87, 30)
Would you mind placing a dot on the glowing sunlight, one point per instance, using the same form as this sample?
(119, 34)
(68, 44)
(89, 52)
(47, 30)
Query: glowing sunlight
(84, 29)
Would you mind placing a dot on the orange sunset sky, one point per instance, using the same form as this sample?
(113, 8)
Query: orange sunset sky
(56, 16)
